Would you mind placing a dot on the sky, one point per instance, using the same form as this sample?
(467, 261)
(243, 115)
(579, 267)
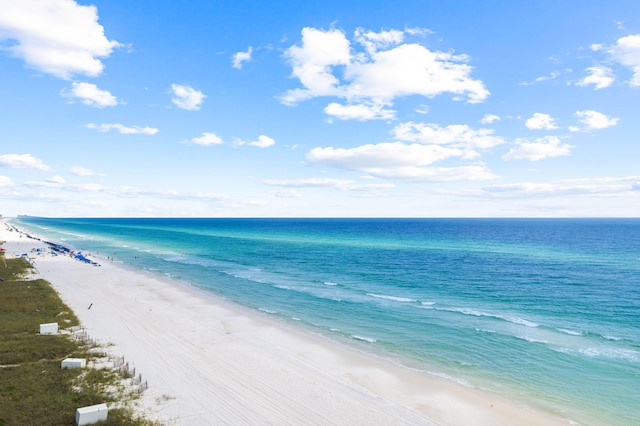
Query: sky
(328, 108)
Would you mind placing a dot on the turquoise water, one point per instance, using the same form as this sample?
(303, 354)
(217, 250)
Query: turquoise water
(546, 310)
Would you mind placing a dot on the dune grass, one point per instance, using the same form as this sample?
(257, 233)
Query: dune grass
(34, 390)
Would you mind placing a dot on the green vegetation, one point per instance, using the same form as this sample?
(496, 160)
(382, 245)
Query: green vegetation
(34, 390)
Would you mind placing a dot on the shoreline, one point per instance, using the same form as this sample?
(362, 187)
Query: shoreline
(208, 360)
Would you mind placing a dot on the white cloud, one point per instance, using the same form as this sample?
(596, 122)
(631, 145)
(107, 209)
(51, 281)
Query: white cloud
(373, 41)
(59, 37)
(454, 135)
(370, 187)
(553, 75)
(22, 161)
(57, 180)
(52, 182)
(82, 171)
(309, 183)
(132, 130)
(436, 174)
(489, 118)
(89, 94)
(422, 109)
(541, 121)
(186, 97)
(540, 148)
(417, 147)
(287, 194)
(596, 120)
(340, 184)
(397, 160)
(262, 142)
(118, 200)
(361, 112)
(5, 181)
(600, 77)
(313, 61)
(626, 51)
(589, 187)
(535, 190)
(207, 138)
(326, 65)
(240, 58)
(86, 187)
(418, 31)
(412, 69)
(382, 155)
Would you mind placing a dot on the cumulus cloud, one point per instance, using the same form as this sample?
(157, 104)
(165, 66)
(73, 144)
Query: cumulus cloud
(412, 69)
(5, 181)
(372, 41)
(262, 142)
(596, 120)
(600, 77)
(382, 155)
(57, 180)
(397, 160)
(240, 58)
(89, 94)
(82, 171)
(541, 121)
(416, 148)
(186, 97)
(52, 182)
(455, 135)
(59, 37)
(540, 148)
(23, 161)
(312, 63)
(384, 68)
(489, 118)
(626, 51)
(207, 138)
(361, 112)
(125, 130)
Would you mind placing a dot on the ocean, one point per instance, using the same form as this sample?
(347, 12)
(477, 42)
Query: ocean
(544, 310)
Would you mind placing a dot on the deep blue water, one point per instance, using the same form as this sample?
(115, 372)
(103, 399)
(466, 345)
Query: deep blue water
(547, 310)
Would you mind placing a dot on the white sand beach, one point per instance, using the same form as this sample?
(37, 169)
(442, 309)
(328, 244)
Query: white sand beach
(208, 361)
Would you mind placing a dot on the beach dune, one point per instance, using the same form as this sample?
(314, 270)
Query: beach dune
(208, 361)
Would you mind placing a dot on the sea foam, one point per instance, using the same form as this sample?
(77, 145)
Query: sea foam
(394, 298)
(363, 338)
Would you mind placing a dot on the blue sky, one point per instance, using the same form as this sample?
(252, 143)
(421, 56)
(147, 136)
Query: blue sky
(320, 109)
